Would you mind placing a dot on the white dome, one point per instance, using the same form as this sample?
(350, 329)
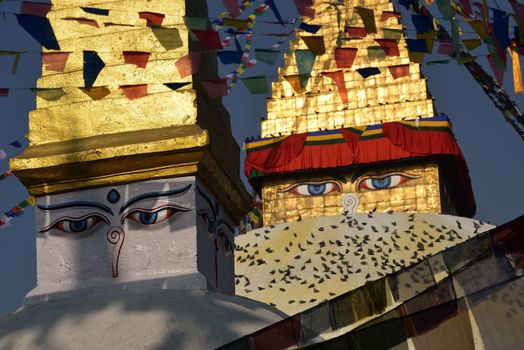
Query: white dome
(159, 319)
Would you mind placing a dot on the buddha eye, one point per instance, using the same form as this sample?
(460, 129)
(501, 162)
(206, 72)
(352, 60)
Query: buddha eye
(314, 188)
(376, 183)
(76, 225)
(153, 216)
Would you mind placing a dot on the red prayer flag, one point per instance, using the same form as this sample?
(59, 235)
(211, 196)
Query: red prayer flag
(35, 8)
(209, 39)
(356, 32)
(80, 20)
(188, 65)
(4, 92)
(215, 88)
(344, 57)
(446, 48)
(137, 58)
(389, 14)
(153, 19)
(338, 77)
(232, 7)
(399, 71)
(304, 8)
(134, 92)
(281, 335)
(55, 61)
(390, 46)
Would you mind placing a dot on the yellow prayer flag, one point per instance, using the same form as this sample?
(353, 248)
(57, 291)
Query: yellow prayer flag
(517, 73)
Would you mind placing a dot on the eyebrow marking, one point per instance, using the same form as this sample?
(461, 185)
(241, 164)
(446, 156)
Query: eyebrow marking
(77, 204)
(154, 195)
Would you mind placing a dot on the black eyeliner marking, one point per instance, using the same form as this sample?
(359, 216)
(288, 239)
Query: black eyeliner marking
(154, 195)
(77, 204)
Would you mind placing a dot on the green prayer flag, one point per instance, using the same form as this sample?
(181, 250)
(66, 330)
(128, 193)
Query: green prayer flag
(49, 94)
(445, 8)
(305, 62)
(395, 34)
(376, 52)
(256, 85)
(168, 37)
(455, 38)
(267, 56)
(196, 22)
(471, 44)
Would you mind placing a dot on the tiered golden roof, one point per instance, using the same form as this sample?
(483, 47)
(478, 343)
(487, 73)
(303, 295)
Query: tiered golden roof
(372, 100)
(77, 142)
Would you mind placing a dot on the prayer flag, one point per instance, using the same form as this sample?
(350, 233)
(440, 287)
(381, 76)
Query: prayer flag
(16, 144)
(517, 73)
(471, 44)
(188, 65)
(176, 86)
(93, 65)
(480, 28)
(315, 44)
(518, 8)
(356, 32)
(395, 34)
(4, 221)
(390, 46)
(237, 23)
(256, 85)
(35, 8)
(209, 39)
(417, 45)
(215, 88)
(40, 29)
(152, 19)
(446, 48)
(338, 78)
(429, 37)
(54, 61)
(390, 14)
(422, 23)
(81, 20)
(137, 58)
(297, 82)
(430, 63)
(2, 154)
(376, 52)
(232, 7)
(267, 56)
(230, 57)
(445, 8)
(368, 17)
(49, 94)
(416, 57)
(305, 61)
(399, 71)
(4, 92)
(367, 72)
(344, 57)
(134, 92)
(169, 38)
(310, 28)
(6, 174)
(455, 37)
(197, 22)
(466, 6)
(304, 8)
(96, 93)
(95, 11)
(500, 27)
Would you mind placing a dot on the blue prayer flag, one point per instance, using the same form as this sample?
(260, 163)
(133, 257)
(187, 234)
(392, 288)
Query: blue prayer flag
(417, 45)
(310, 28)
(93, 64)
(40, 29)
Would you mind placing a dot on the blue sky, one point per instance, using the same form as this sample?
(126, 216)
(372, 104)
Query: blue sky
(491, 147)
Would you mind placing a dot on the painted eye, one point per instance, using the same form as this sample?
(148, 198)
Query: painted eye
(314, 189)
(75, 225)
(154, 216)
(383, 182)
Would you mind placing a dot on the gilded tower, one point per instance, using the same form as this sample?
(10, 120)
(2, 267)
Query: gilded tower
(351, 125)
